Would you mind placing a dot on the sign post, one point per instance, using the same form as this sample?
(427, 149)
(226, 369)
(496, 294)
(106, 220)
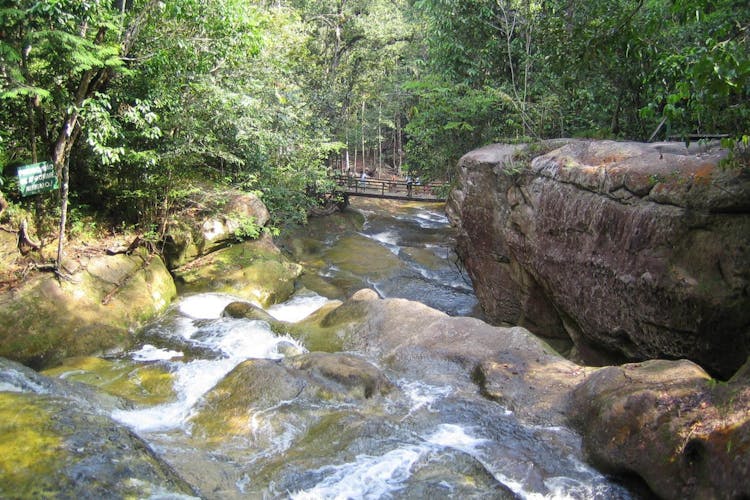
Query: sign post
(37, 178)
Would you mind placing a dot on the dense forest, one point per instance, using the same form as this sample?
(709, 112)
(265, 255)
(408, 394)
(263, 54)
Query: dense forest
(138, 103)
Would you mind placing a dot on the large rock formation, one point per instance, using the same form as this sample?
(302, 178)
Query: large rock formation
(212, 220)
(640, 250)
(685, 434)
(96, 309)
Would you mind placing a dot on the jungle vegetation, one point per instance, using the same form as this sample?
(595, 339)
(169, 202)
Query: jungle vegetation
(137, 103)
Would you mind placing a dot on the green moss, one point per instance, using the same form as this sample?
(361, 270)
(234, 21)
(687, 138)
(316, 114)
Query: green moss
(29, 448)
(146, 385)
(247, 270)
(46, 321)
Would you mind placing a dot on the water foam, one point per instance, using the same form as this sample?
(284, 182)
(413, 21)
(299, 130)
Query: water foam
(367, 477)
(206, 305)
(297, 308)
(153, 353)
(235, 339)
(380, 476)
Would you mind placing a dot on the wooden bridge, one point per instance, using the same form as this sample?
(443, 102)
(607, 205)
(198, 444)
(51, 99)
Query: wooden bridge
(395, 189)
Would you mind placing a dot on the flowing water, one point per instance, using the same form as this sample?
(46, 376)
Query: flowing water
(416, 441)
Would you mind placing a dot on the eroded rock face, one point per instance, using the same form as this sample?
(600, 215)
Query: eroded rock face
(640, 250)
(670, 423)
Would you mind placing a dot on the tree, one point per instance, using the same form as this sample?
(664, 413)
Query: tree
(56, 55)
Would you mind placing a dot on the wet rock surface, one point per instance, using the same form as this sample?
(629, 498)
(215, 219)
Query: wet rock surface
(507, 365)
(638, 251)
(670, 423)
(57, 441)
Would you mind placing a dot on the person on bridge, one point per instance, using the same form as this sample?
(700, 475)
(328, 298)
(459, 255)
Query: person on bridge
(409, 183)
(363, 179)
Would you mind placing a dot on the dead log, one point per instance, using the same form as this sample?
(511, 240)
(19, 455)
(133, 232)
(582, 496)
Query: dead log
(25, 242)
(126, 249)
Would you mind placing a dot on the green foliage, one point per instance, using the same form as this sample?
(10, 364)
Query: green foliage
(247, 229)
(270, 96)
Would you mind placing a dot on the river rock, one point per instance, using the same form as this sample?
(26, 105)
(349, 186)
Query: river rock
(246, 310)
(105, 300)
(254, 270)
(638, 250)
(669, 422)
(304, 380)
(57, 442)
(508, 365)
(210, 222)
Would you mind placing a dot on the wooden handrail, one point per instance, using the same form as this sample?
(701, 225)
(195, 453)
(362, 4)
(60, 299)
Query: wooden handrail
(389, 188)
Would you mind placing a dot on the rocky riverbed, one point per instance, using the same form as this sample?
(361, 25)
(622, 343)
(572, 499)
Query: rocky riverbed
(367, 395)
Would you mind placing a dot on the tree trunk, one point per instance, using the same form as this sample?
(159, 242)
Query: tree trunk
(3, 203)
(91, 81)
(364, 154)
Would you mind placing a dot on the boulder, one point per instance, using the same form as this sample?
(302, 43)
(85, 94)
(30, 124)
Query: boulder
(57, 442)
(254, 270)
(635, 251)
(246, 310)
(97, 309)
(304, 380)
(212, 221)
(684, 433)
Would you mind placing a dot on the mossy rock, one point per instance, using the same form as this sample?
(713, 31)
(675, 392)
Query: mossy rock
(254, 270)
(49, 448)
(105, 300)
(139, 384)
(330, 328)
(30, 449)
(237, 405)
(58, 441)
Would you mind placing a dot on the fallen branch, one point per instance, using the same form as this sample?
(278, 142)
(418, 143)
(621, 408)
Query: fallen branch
(126, 280)
(126, 249)
(25, 243)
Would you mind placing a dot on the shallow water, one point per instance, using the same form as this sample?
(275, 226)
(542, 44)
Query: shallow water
(419, 440)
(402, 250)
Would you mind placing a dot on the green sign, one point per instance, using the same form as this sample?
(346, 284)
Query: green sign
(37, 178)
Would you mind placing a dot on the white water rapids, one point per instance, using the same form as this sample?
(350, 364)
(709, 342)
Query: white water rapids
(420, 441)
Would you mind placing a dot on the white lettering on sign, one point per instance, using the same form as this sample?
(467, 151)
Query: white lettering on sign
(36, 178)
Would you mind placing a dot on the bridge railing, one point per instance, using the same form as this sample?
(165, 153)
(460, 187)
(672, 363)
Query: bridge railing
(390, 187)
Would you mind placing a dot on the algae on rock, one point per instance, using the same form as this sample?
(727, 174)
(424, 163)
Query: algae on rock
(254, 270)
(97, 309)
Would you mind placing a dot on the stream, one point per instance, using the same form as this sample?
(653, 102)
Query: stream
(418, 440)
